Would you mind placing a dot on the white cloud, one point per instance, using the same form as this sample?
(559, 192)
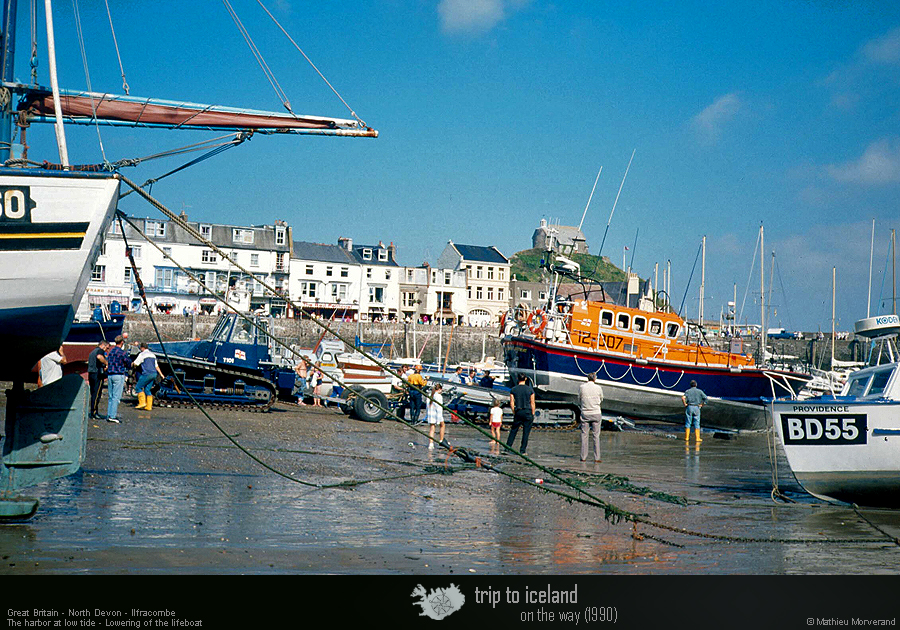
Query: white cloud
(885, 49)
(475, 16)
(712, 119)
(879, 164)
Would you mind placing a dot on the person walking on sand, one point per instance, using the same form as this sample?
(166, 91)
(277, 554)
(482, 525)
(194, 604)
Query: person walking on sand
(496, 423)
(434, 412)
(300, 380)
(117, 367)
(521, 402)
(693, 399)
(416, 385)
(148, 369)
(590, 395)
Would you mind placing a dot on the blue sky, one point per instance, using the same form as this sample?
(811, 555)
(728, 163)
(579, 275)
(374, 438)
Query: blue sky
(494, 114)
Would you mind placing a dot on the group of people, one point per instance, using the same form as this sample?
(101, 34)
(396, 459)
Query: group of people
(309, 379)
(109, 362)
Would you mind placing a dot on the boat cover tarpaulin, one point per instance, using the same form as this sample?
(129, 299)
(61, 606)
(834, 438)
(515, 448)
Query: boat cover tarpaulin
(115, 109)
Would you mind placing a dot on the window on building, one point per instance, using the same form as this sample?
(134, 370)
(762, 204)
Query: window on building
(329, 271)
(136, 251)
(500, 293)
(114, 228)
(167, 251)
(468, 271)
(127, 275)
(387, 274)
(242, 235)
(154, 229)
(369, 273)
(448, 277)
(376, 295)
(280, 235)
(165, 278)
(524, 295)
(367, 254)
(501, 273)
(409, 299)
(490, 293)
(478, 272)
(382, 255)
(542, 296)
(410, 275)
(309, 270)
(279, 262)
(205, 231)
(98, 273)
(338, 291)
(469, 292)
(308, 289)
(345, 272)
(254, 260)
(490, 273)
(208, 256)
(479, 294)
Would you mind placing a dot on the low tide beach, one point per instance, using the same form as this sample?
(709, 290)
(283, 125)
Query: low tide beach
(167, 492)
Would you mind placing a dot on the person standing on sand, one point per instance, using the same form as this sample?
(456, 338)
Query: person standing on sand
(496, 423)
(521, 402)
(590, 395)
(434, 412)
(693, 399)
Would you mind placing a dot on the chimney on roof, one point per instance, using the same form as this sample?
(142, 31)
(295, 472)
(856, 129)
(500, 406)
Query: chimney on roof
(346, 243)
(392, 251)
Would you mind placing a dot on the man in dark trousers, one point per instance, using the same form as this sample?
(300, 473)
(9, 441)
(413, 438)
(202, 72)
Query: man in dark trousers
(96, 374)
(521, 403)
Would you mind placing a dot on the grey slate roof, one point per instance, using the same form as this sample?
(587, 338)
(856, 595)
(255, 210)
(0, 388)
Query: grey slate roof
(481, 254)
(322, 253)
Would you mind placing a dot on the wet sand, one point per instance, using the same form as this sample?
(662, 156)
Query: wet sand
(165, 492)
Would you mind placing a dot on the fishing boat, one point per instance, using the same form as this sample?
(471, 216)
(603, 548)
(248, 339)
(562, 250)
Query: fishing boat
(846, 448)
(52, 220)
(640, 357)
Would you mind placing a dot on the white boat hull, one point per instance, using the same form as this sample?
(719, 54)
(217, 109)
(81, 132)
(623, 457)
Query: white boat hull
(51, 228)
(843, 450)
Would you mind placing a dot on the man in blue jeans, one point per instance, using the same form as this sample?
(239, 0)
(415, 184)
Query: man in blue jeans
(117, 367)
(693, 399)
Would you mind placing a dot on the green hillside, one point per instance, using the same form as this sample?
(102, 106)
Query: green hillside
(526, 266)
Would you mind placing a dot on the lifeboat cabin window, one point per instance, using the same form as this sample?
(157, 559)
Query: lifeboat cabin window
(640, 324)
(622, 321)
(858, 385)
(655, 327)
(879, 382)
(606, 319)
(672, 330)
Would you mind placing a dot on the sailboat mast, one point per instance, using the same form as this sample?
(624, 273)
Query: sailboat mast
(702, 283)
(763, 332)
(54, 86)
(833, 293)
(871, 257)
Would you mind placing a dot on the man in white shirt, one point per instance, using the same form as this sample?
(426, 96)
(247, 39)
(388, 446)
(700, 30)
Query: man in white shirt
(590, 395)
(51, 366)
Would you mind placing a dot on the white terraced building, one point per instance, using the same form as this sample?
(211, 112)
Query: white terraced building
(264, 251)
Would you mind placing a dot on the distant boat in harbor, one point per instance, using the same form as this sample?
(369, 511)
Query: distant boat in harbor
(847, 447)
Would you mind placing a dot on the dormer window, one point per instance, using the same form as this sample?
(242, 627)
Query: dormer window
(367, 254)
(155, 228)
(239, 235)
(280, 235)
(382, 255)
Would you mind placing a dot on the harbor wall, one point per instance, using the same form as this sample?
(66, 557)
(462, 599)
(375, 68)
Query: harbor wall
(466, 343)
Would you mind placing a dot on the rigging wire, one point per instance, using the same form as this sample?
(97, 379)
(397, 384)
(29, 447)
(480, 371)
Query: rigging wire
(116, 43)
(87, 76)
(278, 24)
(259, 58)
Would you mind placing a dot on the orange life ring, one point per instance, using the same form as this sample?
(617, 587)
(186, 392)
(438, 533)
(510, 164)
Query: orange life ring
(537, 328)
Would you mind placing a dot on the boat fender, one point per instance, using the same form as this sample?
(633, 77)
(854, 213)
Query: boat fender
(537, 321)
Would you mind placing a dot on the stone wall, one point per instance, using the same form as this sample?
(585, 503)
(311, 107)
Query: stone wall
(466, 343)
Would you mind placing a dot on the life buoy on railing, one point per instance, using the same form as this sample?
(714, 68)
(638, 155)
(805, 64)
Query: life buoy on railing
(537, 321)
